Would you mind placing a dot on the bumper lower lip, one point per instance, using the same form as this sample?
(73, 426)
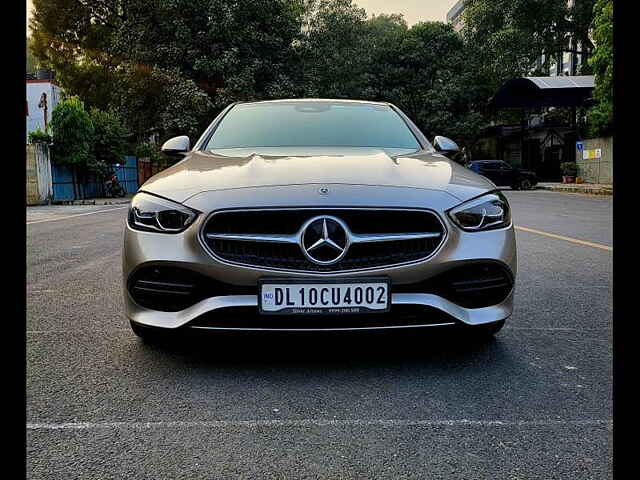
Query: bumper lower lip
(458, 314)
(354, 329)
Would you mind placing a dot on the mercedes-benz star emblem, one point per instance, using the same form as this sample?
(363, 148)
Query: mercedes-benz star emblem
(324, 240)
(323, 190)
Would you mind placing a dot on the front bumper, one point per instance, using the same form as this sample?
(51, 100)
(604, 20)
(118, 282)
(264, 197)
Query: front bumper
(458, 315)
(184, 250)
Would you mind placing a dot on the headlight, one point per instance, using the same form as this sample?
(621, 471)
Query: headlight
(155, 214)
(487, 212)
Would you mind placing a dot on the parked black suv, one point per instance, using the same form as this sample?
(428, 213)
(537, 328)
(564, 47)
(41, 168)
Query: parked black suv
(503, 174)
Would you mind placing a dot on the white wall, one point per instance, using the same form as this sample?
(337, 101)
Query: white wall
(597, 167)
(35, 119)
(39, 184)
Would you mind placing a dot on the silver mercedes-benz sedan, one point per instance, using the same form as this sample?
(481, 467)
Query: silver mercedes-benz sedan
(317, 215)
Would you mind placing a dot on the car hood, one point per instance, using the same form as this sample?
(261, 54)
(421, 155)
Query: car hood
(245, 168)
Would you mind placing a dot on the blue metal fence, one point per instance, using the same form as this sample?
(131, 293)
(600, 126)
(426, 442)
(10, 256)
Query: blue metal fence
(66, 189)
(63, 185)
(127, 174)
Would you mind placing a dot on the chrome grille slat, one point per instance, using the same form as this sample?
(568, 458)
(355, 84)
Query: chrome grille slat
(356, 238)
(390, 237)
(252, 237)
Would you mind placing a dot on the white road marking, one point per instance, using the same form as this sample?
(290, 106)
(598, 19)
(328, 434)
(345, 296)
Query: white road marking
(78, 215)
(311, 423)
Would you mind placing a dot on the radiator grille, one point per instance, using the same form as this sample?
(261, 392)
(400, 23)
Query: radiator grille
(289, 256)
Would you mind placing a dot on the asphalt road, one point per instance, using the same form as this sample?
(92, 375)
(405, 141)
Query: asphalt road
(534, 403)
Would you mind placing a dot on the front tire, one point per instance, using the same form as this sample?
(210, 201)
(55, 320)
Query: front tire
(525, 184)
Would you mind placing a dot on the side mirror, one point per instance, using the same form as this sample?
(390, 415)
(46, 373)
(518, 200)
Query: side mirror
(445, 145)
(176, 147)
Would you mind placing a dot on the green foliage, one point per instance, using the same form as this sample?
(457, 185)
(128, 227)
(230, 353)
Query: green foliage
(382, 44)
(581, 15)
(144, 150)
(90, 142)
(600, 117)
(199, 56)
(149, 150)
(507, 37)
(38, 136)
(167, 67)
(333, 54)
(72, 38)
(72, 134)
(569, 169)
(442, 92)
(32, 62)
(109, 136)
(424, 69)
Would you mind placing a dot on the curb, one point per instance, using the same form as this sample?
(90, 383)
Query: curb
(576, 189)
(115, 201)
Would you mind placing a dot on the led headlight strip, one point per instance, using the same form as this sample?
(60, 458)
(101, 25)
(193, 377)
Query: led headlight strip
(488, 212)
(156, 214)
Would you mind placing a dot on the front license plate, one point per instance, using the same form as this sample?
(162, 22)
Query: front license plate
(295, 297)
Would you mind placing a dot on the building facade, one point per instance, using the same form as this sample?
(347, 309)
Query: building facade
(42, 95)
(546, 135)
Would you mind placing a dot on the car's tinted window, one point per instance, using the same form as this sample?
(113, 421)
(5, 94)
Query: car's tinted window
(312, 124)
(490, 165)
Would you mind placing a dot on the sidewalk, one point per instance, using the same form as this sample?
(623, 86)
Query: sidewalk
(589, 188)
(97, 201)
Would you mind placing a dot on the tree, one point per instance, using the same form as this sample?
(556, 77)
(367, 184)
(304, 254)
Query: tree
(109, 140)
(106, 52)
(440, 86)
(32, 63)
(166, 67)
(232, 50)
(581, 17)
(72, 38)
(88, 142)
(382, 43)
(161, 103)
(333, 56)
(72, 133)
(600, 117)
(508, 37)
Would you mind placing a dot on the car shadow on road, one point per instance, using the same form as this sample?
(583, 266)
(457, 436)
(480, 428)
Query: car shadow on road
(321, 351)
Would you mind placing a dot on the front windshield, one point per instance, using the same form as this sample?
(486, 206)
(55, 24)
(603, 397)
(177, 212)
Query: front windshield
(312, 124)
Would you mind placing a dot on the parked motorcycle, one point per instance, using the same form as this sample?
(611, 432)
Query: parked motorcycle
(113, 188)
